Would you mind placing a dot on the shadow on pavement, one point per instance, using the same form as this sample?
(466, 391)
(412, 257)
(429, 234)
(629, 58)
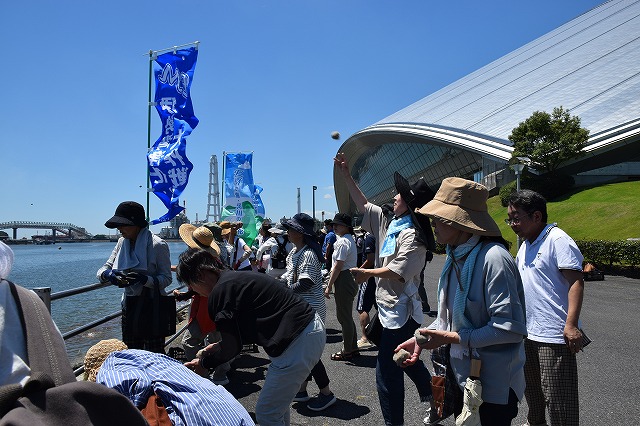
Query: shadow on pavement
(342, 409)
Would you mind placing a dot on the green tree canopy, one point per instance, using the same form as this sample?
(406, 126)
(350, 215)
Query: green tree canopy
(549, 139)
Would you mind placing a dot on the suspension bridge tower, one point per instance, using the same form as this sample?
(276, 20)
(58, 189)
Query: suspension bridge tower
(214, 191)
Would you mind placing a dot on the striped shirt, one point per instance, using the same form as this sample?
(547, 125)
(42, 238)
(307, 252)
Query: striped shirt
(305, 264)
(188, 398)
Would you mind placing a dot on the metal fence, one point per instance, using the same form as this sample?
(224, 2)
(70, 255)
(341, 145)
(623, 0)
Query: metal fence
(47, 297)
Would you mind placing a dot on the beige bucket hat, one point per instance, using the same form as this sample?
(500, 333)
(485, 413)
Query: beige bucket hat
(462, 204)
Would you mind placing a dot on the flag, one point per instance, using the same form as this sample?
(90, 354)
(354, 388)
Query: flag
(242, 197)
(169, 167)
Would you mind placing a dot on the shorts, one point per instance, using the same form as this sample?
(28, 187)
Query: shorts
(366, 295)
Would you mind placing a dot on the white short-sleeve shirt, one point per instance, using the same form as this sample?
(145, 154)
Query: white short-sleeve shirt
(546, 290)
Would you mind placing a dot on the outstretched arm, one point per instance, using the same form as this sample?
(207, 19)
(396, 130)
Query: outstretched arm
(358, 197)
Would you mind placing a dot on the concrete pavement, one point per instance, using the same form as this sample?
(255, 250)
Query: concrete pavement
(608, 369)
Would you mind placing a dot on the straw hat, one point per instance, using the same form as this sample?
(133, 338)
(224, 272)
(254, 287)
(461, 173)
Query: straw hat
(462, 204)
(226, 227)
(200, 237)
(97, 354)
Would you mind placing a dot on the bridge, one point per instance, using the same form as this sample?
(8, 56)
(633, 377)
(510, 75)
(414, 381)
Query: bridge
(69, 230)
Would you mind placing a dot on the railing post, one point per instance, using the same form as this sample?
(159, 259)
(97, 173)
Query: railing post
(44, 293)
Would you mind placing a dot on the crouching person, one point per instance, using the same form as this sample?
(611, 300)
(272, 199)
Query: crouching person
(249, 307)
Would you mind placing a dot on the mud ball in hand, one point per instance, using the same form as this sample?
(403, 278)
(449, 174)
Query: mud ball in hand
(421, 339)
(401, 356)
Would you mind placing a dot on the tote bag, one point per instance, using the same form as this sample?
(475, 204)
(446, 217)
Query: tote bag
(150, 314)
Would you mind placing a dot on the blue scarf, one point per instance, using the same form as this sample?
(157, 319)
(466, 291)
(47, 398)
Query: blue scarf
(470, 249)
(395, 227)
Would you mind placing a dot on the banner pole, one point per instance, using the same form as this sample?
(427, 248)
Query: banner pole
(224, 163)
(149, 105)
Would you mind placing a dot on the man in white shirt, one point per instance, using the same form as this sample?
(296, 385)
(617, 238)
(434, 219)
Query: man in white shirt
(550, 265)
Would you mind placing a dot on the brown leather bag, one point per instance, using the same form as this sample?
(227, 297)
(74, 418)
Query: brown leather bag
(155, 413)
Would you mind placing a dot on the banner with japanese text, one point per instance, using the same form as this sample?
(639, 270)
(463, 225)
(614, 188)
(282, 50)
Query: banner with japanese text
(242, 201)
(169, 167)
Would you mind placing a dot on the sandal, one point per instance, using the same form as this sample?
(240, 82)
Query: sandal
(344, 356)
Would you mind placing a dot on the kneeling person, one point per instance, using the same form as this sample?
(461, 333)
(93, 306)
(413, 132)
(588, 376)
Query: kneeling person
(249, 307)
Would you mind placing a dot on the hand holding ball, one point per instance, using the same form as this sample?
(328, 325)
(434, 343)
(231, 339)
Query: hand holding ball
(421, 339)
(401, 356)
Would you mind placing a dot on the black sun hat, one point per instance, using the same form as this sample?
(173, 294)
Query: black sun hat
(128, 213)
(342, 219)
(416, 196)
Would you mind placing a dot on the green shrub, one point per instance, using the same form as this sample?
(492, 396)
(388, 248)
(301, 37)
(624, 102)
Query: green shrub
(603, 252)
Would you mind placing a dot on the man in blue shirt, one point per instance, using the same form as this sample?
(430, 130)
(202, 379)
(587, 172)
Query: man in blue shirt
(327, 246)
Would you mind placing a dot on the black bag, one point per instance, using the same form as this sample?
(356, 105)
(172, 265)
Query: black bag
(443, 381)
(149, 315)
(373, 330)
(279, 261)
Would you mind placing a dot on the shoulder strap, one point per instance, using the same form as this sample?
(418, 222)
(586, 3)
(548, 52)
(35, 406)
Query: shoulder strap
(45, 347)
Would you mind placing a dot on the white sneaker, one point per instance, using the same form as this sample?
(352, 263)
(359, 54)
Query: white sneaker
(431, 416)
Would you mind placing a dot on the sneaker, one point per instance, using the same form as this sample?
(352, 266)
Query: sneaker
(364, 344)
(301, 397)
(321, 401)
(220, 380)
(431, 416)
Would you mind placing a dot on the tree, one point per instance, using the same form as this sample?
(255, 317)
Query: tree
(549, 140)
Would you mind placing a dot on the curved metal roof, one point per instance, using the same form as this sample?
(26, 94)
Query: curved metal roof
(588, 65)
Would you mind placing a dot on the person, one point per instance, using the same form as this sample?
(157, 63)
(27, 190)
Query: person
(240, 251)
(249, 307)
(343, 259)
(258, 261)
(550, 264)
(216, 230)
(480, 302)
(201, 330)
(140, 263)
(187, 398)
(225, 227)
(304, 277)
(327, 245)
(37, 383)
(274, 250)
(401, 256)
(15, 359)
(366, 297)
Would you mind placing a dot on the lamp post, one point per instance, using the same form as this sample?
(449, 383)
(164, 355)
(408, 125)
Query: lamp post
(314, 205)
(518, 164)
(518, 168)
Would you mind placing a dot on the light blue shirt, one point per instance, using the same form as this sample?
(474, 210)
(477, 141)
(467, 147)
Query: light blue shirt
(188, 398)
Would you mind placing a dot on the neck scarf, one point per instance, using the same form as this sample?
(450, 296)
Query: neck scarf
(470, 249)
(397, 225)
(136, 258)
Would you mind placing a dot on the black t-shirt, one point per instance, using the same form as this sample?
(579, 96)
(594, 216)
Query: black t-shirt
(255, 308)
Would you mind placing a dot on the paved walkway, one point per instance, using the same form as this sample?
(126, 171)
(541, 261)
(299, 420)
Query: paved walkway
(608, 368)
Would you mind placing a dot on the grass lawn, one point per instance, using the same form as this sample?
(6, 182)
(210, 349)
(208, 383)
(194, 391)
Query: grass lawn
(607, 212)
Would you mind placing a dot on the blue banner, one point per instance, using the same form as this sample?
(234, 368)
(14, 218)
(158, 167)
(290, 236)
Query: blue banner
(242, 202)
(169, 167)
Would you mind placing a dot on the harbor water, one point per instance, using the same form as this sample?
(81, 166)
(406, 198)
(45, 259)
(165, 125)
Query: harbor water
(65, 266)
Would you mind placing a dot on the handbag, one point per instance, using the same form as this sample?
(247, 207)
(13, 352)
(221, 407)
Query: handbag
(443, 381)
(373, 330)
(150, 314)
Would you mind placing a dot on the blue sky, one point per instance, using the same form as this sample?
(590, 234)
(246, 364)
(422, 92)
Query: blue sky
(273, 77)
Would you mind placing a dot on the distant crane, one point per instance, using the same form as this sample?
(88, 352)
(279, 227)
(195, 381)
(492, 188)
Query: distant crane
(214, 191)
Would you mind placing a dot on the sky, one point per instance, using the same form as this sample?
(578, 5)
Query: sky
(273, 77)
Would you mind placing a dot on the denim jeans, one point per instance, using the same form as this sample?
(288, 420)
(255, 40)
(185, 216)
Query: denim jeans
(390, 377)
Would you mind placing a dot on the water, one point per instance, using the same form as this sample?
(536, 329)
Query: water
(66, 266)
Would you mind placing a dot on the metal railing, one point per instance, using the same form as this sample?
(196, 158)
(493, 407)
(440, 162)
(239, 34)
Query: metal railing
(47, 297)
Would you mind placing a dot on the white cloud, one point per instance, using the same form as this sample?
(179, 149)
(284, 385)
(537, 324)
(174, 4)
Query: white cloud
(328, 196)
